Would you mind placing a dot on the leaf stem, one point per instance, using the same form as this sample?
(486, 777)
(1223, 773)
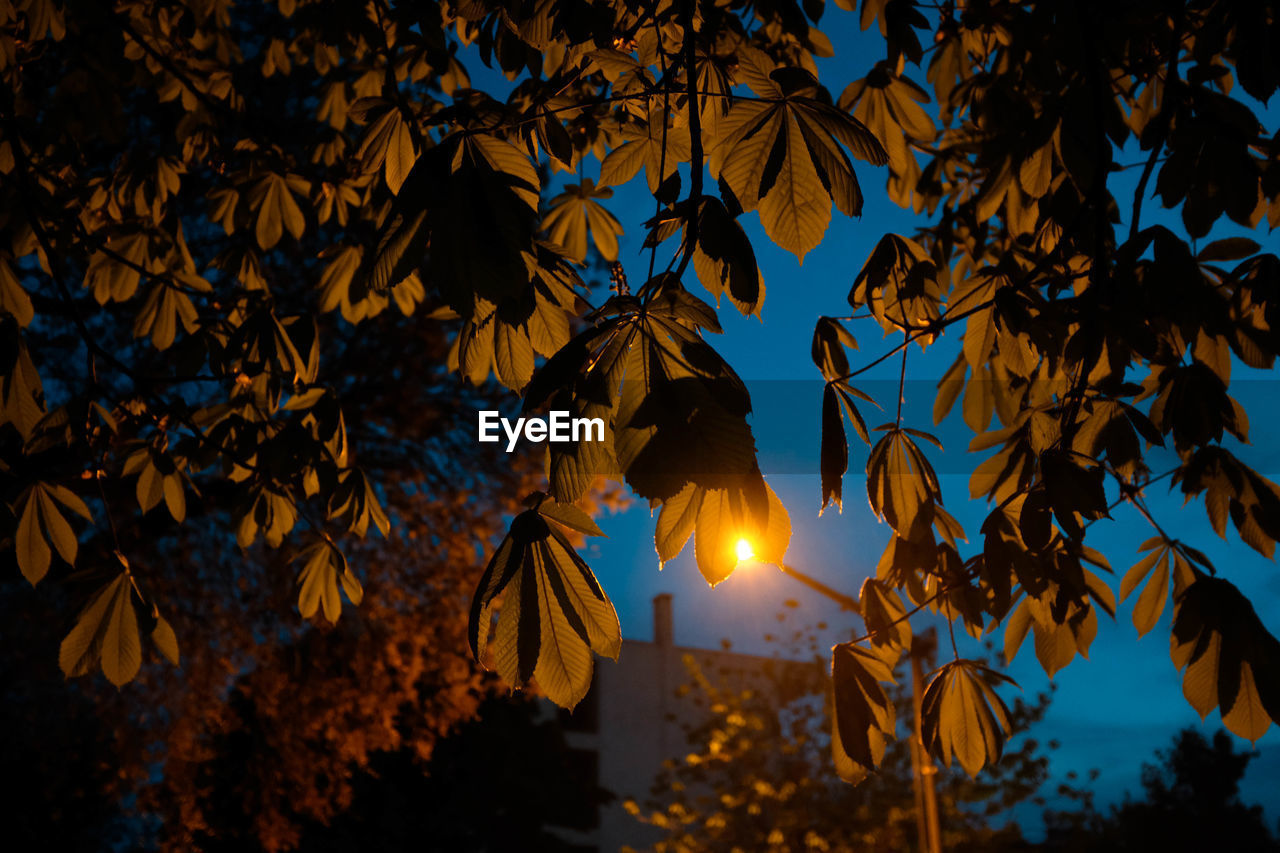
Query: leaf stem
(902, 380)
(1126, 490)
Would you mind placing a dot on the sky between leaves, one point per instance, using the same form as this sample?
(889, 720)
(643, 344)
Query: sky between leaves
(1111, 712)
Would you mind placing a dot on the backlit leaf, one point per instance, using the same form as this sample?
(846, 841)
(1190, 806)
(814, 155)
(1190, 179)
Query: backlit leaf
(785, 156)
(901, 484)
(569, 516)
(42, 528)
(964, 717)
(575, 212)
(166, 640)
(554, 613)
(276, 209)
(885, 615)
(324, 571)
(105, 633)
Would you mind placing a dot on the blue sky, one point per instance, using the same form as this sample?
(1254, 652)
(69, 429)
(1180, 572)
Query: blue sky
(1110, 712)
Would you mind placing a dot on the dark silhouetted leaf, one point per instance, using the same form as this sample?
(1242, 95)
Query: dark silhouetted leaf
(1231, 660)
(864, 714)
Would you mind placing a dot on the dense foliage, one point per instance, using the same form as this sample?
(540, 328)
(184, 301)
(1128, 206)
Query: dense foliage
(171, 446)
(212, 215)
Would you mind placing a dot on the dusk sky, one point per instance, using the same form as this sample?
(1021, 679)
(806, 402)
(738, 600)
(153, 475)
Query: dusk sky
(1141, 705)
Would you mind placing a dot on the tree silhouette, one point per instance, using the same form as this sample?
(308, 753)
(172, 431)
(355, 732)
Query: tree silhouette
(54, 737)
(1192, 802)
(223, 225)
(452, 802)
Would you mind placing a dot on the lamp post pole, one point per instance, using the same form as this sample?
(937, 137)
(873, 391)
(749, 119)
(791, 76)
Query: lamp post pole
(923, 770)
(846, 602)
(923, 648)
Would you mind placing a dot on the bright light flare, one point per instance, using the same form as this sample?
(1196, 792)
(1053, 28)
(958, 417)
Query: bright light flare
(745, 550)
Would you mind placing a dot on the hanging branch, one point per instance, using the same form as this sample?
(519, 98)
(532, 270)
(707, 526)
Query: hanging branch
(1163, 122)
(695, 135)
(662, 157)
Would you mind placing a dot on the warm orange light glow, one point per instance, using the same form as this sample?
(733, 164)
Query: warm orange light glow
(745, 550)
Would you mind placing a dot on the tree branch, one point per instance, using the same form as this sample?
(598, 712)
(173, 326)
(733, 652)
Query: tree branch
(1164, 121)
(695, 136)
(170, 66)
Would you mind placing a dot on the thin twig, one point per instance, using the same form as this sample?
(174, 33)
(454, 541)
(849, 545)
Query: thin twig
(169, 65)
(1126, 489)
(932, 329)
(949, 318)
(942, 590)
